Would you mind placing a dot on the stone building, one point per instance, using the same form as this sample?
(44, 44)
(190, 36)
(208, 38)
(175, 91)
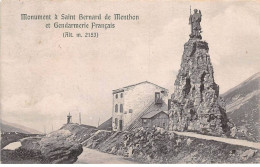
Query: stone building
(130, 103)
(157, 118)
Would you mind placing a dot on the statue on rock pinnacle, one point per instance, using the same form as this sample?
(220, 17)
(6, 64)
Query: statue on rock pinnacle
(195, 103)
(194, 21)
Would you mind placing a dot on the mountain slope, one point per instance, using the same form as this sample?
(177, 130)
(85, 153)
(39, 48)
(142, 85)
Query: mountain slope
(242, 105)
(12, 127)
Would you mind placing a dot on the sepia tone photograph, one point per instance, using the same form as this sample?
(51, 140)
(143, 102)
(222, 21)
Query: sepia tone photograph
(130, 82)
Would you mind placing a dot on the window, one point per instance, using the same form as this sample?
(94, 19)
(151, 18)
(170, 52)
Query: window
(130, 111)
(116, 96)
(121, 95)
(163, 124)
(121, 108)
(116, 108)
(116, 122)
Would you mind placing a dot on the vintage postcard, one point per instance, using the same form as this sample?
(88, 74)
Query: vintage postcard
(130, 82)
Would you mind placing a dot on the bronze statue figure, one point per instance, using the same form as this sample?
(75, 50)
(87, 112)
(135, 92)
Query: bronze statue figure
(194, 21)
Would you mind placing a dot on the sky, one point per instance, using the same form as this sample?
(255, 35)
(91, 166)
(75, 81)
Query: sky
(45, 76)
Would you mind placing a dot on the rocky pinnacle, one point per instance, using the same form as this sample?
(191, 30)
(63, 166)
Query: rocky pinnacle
(196, 105)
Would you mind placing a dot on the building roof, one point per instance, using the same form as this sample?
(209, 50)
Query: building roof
(122, 89)
(107, 125)
(153, 113)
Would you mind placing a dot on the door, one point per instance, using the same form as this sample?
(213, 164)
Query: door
(120, 125)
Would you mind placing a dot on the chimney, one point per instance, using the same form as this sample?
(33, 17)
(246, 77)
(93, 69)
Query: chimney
(169, 104)
(158, 99)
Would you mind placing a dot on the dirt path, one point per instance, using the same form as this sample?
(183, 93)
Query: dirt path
(90, 156)
(221, 139)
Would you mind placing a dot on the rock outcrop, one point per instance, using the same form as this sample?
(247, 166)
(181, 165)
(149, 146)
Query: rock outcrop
(196, 105)
(57, 147)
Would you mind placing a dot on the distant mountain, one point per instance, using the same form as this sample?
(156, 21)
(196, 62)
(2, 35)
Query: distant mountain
(12, 127)
(242, 105)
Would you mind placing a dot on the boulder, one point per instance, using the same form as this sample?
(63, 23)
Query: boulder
(233, 132)
(189, 141)
(248, 154)
(31, 143)
(56, 147)
(60, 147)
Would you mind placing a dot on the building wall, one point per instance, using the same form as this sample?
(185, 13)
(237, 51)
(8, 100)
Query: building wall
(136, 99)
(117, 115)
(157, 121)
(147, 122)
(161, 119)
